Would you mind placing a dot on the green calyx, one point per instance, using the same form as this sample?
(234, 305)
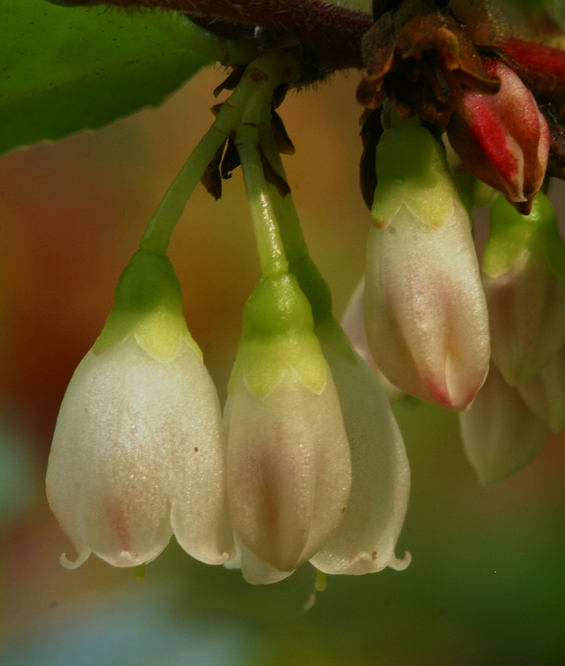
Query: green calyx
(513, 234)
(412, 171)
(148, 304)
(278, 336)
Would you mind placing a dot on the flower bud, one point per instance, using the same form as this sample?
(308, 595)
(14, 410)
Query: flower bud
(503, 139)
(545, 393)
(138, 450)
(500, 434)
(289, 467)
(524, 280)
(353, 322)
(425, 309)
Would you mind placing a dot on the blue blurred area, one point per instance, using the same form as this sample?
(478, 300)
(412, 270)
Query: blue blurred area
(144, 632)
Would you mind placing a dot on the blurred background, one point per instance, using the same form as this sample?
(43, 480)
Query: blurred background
(486, 586)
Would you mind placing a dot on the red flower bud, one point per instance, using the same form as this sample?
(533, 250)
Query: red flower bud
(503, 139)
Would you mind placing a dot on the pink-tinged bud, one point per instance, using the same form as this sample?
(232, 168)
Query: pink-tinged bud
(353, 323)
(524, 280)
(288, 457)
(545, 393)
(289, 469)
(425, 308)
(500, 434)
(503, 139)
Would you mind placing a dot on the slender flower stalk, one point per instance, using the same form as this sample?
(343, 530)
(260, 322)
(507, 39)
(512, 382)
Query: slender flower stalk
(288, 459)
(139, 448)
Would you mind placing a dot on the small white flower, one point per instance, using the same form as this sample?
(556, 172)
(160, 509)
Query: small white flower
(137, 455)
(500, 434)
(425, 308)
(139, 447)
(289, 469)
(524, 280)
(288, 460)
(366, 539)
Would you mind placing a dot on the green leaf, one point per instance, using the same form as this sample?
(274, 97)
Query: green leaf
(68, 69)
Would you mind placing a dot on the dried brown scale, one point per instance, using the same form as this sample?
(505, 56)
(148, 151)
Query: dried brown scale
(420, 58)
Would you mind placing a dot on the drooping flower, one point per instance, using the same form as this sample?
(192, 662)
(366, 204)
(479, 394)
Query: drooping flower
(425, 309)
(507, 149)
(524, 280)
(139, 448)
(500, 434)
(288, 459)
(366, 539)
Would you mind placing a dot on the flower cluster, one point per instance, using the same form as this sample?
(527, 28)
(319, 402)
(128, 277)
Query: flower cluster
(307, 462)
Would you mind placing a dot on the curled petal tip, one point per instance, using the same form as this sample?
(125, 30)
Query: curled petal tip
(83, 555)
(399, 564)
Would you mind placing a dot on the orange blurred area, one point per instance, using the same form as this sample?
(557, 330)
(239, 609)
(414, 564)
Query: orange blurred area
(487, 581)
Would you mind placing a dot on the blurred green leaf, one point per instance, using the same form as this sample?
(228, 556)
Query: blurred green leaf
(67, 69)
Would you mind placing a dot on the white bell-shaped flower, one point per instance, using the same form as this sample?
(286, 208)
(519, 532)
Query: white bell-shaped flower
(289, 466)
(139, 448)
(425, 309)
(365, 541)
(500, 434)
(524, 280)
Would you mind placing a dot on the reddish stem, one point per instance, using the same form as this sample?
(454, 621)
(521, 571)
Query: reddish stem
(544, 66)
(333, 33)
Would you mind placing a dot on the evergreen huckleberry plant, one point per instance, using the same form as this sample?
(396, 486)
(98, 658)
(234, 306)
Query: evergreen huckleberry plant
(308, 462)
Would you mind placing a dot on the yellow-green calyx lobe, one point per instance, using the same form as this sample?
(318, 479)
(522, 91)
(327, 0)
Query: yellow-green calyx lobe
(148, 304)
(412, 171)
(513, 234)
(278, 337)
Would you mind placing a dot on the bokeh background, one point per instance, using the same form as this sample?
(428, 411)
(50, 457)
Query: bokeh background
(486, 586)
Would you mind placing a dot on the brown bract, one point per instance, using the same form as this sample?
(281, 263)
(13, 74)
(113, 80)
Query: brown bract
(420, 57)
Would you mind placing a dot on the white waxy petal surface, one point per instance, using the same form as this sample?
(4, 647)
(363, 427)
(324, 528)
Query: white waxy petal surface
(500, 434)
(366, 539)
(353, 322)
(138, 447)
(255, 570)
(527, 317)
(289, 469)
(425, 309)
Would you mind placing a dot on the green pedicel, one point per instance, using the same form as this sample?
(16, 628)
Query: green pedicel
(148, 304)
(278, 336)
(513, 234)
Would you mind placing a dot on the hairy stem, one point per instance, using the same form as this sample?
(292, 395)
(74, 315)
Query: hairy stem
(333, 33)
